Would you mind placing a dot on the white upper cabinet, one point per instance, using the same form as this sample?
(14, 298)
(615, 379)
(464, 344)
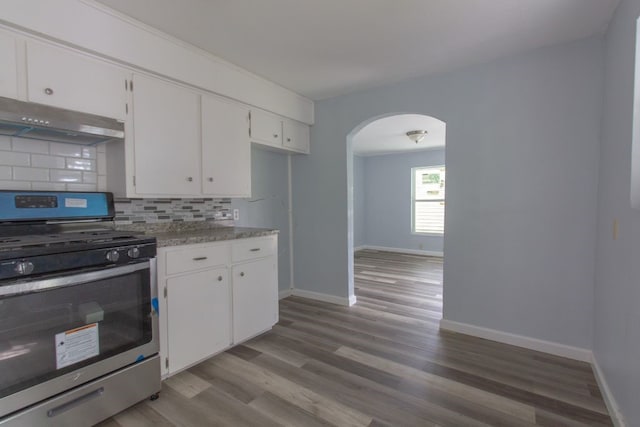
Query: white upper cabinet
(226, 150)
(166, 138)
(266, 128)
(278, 132)
(8, 69)
(71, 80)
(295, 136)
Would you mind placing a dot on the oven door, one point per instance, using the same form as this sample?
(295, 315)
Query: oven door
(59, 332)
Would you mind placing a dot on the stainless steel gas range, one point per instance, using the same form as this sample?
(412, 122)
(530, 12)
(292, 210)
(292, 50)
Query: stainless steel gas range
(78, 311)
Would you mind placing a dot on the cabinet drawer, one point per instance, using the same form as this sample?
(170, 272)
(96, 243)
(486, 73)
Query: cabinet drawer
(243, 250)
(195, 258)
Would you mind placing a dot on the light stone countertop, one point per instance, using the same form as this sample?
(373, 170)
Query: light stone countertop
(189, 233)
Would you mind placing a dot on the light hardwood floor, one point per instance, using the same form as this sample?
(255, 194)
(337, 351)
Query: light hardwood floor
(382, 362)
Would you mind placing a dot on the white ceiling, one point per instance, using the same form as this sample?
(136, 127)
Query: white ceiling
(324, 48)
(389, 135)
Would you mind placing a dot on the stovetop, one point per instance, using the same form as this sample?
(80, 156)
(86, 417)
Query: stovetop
(19, 241)
(31, 250)
(14, 242)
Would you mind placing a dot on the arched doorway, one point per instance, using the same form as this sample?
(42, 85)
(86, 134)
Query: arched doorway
(396, 187)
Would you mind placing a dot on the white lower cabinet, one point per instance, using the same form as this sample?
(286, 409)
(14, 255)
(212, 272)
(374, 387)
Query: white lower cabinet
(255, 297)
(214, 295)
(198, 316)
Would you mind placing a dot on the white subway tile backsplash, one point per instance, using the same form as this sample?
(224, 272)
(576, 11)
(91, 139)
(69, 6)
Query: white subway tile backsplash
(10, 158)
(30, 174)
(15, 185)
(89, 177)
(101, 163)
(102, 183)
(81, 164)
(48, 186)
(5, 173)
(5, 143)
(26, 145)
(65, 176)
(89, 152)
(81, 187)
(27, 164)
(53, 162)
(66, 150)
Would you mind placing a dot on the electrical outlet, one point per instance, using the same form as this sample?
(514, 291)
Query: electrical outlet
(236, 214)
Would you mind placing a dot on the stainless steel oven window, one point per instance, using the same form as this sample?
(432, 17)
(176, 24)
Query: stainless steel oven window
(114, 303)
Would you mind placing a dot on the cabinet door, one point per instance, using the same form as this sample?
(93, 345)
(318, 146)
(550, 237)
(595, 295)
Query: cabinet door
(226, 150)
(74, 81)
(295, 136)
(198, 317)
(166, 138)
(255, 298)
(266, 128)
(8, 69)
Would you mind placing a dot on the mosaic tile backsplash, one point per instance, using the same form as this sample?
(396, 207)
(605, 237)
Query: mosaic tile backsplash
(150, 211)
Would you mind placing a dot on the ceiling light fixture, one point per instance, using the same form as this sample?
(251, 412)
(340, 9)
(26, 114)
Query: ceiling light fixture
(416, 135)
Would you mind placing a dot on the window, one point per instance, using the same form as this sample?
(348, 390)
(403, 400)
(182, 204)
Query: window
(427, 199)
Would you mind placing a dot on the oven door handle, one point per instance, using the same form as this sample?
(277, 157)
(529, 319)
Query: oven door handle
(70, 280)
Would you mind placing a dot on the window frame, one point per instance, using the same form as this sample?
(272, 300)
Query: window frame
(413, 201)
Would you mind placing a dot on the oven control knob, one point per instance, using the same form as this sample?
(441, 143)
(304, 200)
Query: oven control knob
(113, 256)
(24, 267)
(133, 253)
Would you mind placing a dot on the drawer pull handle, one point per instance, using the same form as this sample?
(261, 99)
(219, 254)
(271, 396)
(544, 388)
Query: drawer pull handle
(75, 402)
(242, 274)
(219, 278)
(200, 258)
(254, 249)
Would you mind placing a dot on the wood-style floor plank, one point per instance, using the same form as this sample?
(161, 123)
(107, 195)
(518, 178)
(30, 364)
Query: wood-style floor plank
(382, 362)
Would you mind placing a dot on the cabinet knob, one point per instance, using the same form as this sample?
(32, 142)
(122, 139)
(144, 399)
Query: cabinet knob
(48, 91)
(210, 179)
(288, 139)
(242, 274)
(189, 178)
(219, 278)
(275, 135)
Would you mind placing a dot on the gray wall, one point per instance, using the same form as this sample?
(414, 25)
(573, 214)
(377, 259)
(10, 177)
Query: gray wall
(617, 291)
(522, 154)
(387, 189)
(269, 203)
(359, 210)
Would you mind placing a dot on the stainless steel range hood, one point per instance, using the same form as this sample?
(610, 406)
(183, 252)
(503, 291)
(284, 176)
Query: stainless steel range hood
(35, 121)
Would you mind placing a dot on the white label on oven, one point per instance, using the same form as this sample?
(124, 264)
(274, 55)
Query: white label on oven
(75, 345)
(75, 203)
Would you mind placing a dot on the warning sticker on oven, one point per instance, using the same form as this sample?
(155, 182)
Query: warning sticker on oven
(75, 345)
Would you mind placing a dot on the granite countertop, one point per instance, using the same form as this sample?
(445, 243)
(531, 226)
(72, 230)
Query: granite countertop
(188, 233)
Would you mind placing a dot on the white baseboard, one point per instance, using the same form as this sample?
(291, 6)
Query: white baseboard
(609, 400)
(352, 300)
(324, 297)
(557, 349)
(284, 293)
(400, 250)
